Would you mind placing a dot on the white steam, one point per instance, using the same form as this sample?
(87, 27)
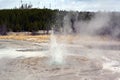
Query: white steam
(90, 27)
(56, 50)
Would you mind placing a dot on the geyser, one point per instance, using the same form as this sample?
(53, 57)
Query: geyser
(56, 50)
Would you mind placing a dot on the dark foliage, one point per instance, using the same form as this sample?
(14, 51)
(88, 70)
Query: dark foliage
(3, 30)
(17, 20)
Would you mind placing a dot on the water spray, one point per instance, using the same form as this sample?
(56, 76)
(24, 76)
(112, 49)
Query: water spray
(56, 50)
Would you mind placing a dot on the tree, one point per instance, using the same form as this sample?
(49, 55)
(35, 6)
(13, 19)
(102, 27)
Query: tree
(3, 29)
(26, 6)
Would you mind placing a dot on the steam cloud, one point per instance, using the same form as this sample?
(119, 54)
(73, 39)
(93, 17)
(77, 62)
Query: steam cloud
(102, 23)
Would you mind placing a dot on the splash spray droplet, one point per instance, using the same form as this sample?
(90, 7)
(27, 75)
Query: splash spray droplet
(56, 50)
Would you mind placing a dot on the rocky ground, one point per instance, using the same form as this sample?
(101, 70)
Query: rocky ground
(84, 60)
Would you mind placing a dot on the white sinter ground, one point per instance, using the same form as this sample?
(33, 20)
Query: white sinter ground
(81, 60)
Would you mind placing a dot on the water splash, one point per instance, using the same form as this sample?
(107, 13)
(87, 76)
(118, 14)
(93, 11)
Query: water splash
(56, 50)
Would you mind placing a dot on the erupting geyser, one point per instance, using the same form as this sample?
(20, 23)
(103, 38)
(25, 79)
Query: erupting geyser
(56, 50)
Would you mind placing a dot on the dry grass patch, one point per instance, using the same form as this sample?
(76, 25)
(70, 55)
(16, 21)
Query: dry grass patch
(38, 38)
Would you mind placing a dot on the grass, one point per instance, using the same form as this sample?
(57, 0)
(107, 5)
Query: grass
(38, 38)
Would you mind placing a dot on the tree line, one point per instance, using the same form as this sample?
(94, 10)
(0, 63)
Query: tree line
(21, 20)
(27, 19)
